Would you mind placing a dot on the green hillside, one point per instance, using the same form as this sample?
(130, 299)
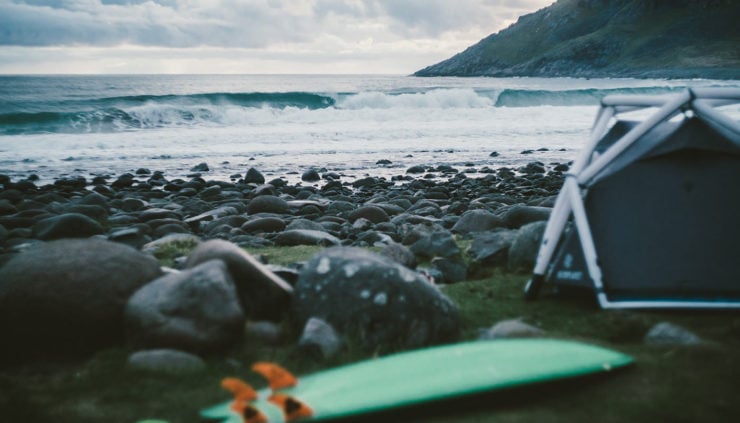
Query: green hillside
(610, 38)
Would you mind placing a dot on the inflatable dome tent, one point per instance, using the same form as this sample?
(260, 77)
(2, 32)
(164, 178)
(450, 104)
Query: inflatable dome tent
(649, 214)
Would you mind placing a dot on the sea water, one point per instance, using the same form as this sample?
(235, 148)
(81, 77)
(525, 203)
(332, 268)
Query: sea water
(282, 125)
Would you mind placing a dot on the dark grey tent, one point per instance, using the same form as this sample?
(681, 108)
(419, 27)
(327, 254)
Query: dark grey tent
(650, 214)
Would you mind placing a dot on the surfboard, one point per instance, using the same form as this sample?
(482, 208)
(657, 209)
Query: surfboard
(430, 374)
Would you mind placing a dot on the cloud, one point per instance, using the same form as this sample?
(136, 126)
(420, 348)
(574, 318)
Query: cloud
(244, 35)
(234, 23)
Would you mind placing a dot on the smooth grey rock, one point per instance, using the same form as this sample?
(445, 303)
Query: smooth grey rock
(158, 213)
(194, 310)
(253, 176)
(436, 244)
(526, 244)
(305, 224)
(153, 246)
(478, 221)
(311, 175)
(668, 334)
(451, 269)
(517, 216)
(68, 225)
(211, 215)
(372, 213)
(262, 294)
(306, 237)
(200, 167)
(491, 247)
(400, 254)
(320, 338)
(371, 298)
(264, 224)
(167, 361)
(267, 204)
(67, 297)
(513, 328)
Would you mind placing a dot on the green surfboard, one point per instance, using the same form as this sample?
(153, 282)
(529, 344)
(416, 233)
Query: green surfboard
(435, 373)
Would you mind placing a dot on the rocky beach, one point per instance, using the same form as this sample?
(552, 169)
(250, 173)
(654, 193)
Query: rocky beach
(60, 240)
(156, 280)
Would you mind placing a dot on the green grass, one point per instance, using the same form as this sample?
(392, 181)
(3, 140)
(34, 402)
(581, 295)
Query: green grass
(665, 384)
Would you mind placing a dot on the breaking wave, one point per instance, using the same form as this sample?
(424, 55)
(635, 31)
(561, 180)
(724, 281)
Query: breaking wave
(131, 113)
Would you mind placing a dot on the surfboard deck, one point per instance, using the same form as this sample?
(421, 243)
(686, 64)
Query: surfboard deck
(435, 373)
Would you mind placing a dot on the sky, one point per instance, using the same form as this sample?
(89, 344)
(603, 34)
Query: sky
(244, 36)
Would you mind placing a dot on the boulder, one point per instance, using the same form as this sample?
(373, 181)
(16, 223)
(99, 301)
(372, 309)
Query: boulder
(526, 244)
(264, 224)
(518, 215)
(450, 269)
(375, 300)
(306, 237)
(440, 243)
(305, 224)
(669, 335)
(491, 247)
(200, 167)
(68, 225)
(512, 328)
(262, 294)
(194, 310)
(320, 339)
(372, 213)
(311, 175)
(67, 297)
(253, 176)
(400, 254)
(478, 221)
(267, 204)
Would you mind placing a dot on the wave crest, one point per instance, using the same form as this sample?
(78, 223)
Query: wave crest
(435, 99)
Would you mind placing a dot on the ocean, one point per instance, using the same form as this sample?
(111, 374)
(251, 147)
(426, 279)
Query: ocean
(282, 125)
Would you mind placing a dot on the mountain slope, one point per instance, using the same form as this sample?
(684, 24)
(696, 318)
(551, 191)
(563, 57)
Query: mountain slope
(610, 38)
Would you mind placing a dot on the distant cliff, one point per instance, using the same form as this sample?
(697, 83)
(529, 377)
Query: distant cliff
(610, 38)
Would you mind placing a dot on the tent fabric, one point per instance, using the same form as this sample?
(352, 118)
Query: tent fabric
(691, 133)
(659, 220)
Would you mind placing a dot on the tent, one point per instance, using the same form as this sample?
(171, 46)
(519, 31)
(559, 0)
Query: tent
(649, 213)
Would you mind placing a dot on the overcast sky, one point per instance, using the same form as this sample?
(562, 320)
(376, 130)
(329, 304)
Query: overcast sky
(244, 36)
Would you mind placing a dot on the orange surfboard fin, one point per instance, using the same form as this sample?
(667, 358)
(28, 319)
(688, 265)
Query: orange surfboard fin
(277, 377)
(240, 389)
(249, 413)
(292, 408)
(243, 397)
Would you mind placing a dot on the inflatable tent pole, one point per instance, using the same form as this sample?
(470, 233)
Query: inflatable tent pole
(562, 208)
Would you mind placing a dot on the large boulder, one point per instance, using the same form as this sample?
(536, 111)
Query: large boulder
(66, 297)
(195, 310)
(262, 294)
(373, 299)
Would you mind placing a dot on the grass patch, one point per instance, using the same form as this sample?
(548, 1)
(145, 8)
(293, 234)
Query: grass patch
(665, 384)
